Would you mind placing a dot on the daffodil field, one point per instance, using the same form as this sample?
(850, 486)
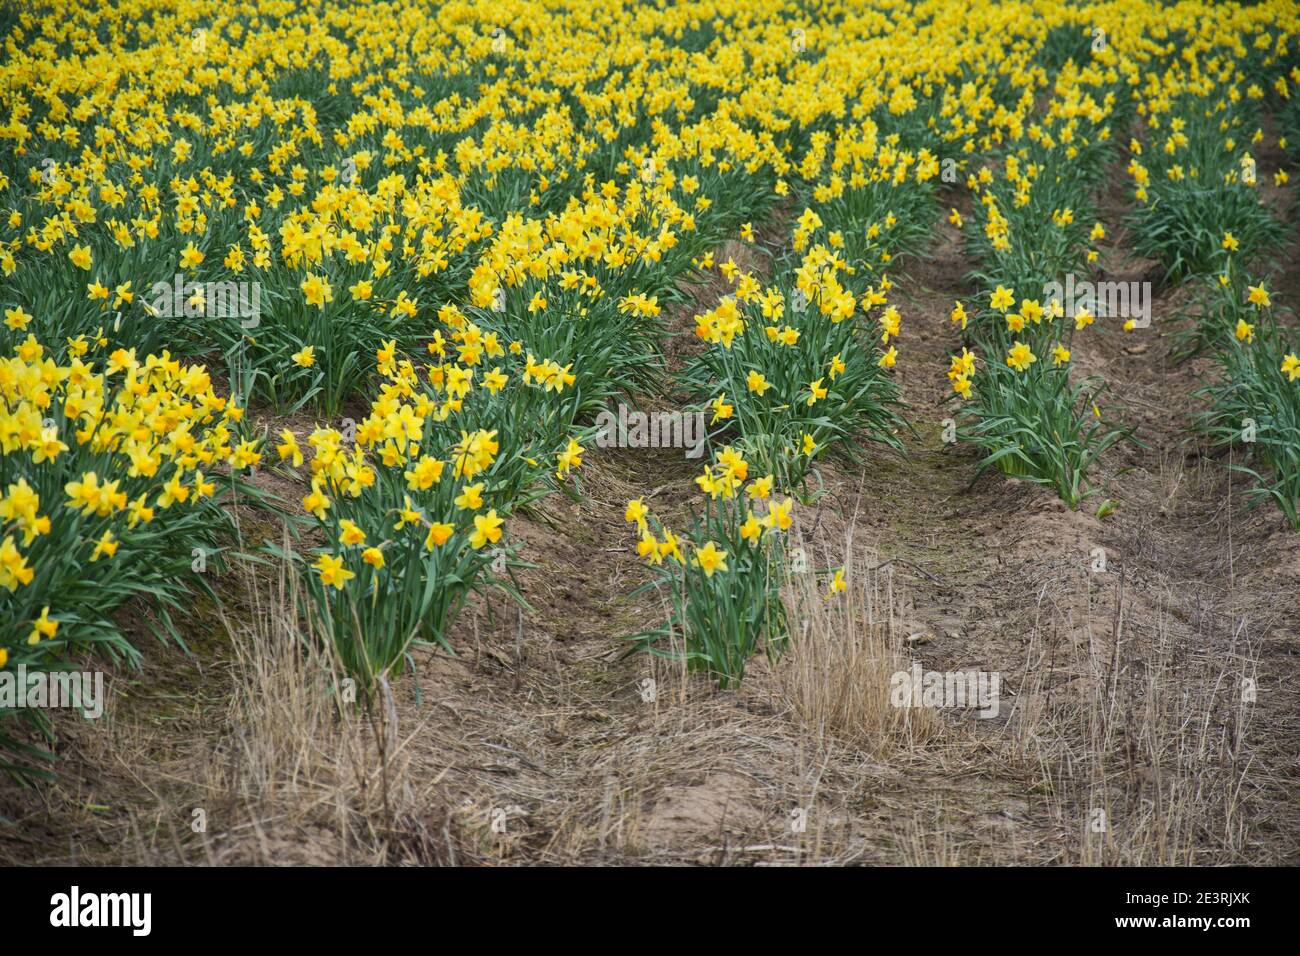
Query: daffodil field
(401, 255)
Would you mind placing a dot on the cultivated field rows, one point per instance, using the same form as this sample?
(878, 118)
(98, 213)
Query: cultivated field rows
(329, 340)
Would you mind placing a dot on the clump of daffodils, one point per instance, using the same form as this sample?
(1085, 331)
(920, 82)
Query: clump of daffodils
(112, 466)
(724, 570)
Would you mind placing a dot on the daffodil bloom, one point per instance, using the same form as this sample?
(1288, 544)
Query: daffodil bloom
(487, 529)
(732, 465)
(191, 257)
(470, 497)
(670, 547)
(105, 547)
(14, 569)
(1020, 357)
(317, 291)
(962, 365)
(17, 319)
(760, 488)
(202, 487)
(890, 321)
(439, 534)
(316, 502)
(288, 448)
(140, 513)
(332, 572)
(408, 514)
(426, 473)
(636, 512)
(711, 484)
(838, 584)
(43, 627)
(48, 447)
(569, 458)
(778, 515)
(1002, 299)
(710, 558)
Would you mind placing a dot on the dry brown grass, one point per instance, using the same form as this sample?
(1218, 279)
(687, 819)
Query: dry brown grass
(302, 772)
(1141, 742)
(842, 654)
(281, 768)
(294, 757)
